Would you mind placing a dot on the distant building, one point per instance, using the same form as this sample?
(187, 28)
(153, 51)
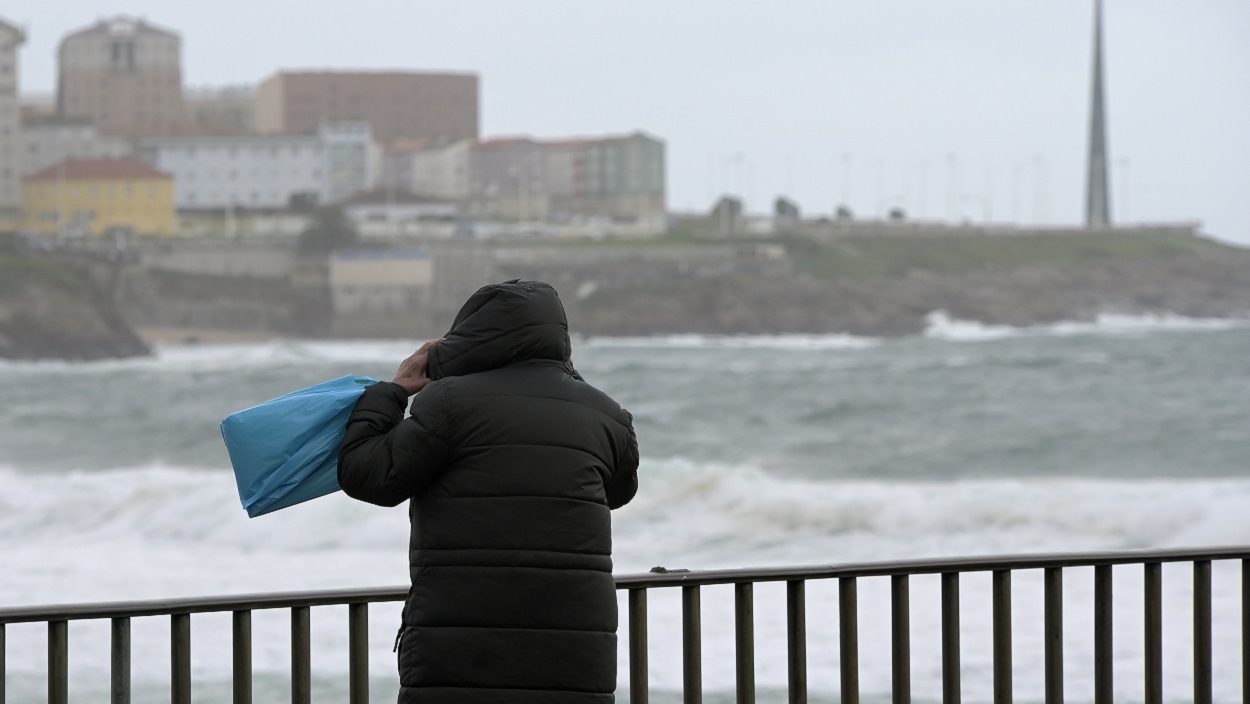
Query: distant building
(786, 211)
(228, 111)
(509, 179)
(439, 107)
(51, 140)
(10, 122)
(99, 197)
(37, 106)
(727, 216)
(614, 177)
(266, 171)
(619, 178)
(124, 75)
(443, 172)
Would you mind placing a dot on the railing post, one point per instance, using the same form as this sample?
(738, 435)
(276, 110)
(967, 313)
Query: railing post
(1104, 684)
(848, 638)
(744, 641)
(119, 684)
(691, 646)
(900, 638)
(796, 630)
(1154, 635)
(950, 638)
(358, 653)
(638, 677)
(1202, 632)
(242, 636)
(58, 662)
(1053, 617)
(2, 665)
(301, 656)
(1245, 631)
(1002, 637)
(1154, 632)
(180, 658)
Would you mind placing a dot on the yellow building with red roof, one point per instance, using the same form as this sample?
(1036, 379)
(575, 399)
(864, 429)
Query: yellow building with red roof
(96, 197)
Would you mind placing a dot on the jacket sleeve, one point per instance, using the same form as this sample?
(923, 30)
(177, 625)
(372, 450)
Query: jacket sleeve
(387, 459)
(623, 485)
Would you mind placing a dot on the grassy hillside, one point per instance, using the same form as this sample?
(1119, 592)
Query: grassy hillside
(869, 257)
(888, 285)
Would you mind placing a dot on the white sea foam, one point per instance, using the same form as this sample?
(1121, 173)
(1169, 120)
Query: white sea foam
(218, 357)
(779, 342)
(686, 515)
(941, 326)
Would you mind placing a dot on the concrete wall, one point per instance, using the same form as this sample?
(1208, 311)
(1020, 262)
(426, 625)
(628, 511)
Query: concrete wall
(248, 260)
(368, 281)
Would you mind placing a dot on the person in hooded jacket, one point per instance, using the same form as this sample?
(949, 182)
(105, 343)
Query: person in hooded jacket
(510, 463)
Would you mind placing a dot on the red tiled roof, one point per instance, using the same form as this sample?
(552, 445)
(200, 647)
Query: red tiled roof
(81, 169)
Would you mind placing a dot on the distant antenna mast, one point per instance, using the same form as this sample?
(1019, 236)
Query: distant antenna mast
(1097, 190)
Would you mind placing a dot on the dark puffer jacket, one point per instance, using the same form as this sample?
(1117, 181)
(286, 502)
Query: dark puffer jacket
(511, 463)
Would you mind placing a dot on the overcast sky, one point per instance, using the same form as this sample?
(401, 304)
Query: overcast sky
(954, 109)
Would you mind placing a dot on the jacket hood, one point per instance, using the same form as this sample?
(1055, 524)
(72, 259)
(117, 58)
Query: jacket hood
(502, 324)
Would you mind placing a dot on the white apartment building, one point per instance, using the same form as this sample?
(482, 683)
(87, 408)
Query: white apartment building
(442, 172)
(435, 172)
(264, 172)
(11, 37)
(51, 140)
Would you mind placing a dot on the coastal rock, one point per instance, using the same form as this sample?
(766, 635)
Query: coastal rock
(55, 308)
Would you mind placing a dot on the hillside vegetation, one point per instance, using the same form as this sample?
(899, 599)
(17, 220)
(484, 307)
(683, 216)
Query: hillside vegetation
(890, 285)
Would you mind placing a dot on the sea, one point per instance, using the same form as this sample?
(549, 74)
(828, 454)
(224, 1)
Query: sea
(1121, 433)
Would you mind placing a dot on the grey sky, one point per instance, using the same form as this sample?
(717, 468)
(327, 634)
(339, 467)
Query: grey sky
(962, 108)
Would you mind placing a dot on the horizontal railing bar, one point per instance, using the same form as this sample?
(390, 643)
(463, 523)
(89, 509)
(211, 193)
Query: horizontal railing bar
(988, 563)
(671, 578)
(208, 604)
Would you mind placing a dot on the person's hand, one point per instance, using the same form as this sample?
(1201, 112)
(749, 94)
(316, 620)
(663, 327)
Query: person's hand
(413, 373)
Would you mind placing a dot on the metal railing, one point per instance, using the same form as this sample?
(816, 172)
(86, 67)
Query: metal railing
(690, 583)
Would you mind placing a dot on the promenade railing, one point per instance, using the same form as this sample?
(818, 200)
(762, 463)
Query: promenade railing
(690, 584)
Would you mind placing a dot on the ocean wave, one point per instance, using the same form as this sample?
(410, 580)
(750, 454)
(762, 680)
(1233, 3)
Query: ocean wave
(686, 513)
(941, 326)
(246, 355)
(777, 342)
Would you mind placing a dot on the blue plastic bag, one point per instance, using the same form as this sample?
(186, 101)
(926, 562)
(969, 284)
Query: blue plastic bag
(285, 451)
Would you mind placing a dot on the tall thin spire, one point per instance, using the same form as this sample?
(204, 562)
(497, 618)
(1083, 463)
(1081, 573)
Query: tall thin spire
(1097, 189)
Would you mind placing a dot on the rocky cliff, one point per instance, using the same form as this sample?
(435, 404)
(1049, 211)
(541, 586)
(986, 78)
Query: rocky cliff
(55, 308)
